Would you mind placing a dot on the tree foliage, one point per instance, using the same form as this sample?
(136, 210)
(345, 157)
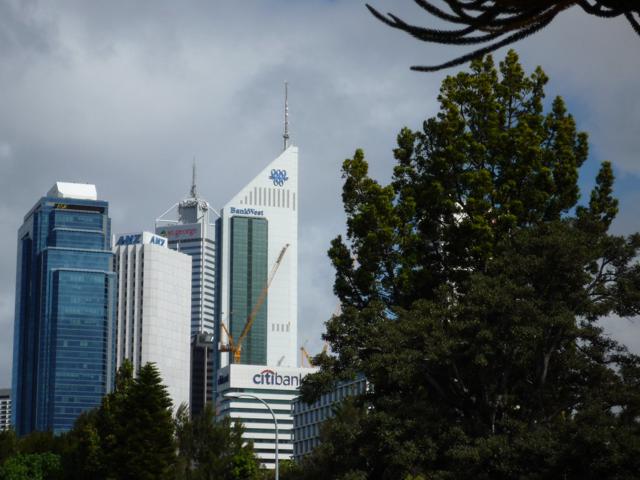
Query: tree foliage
(129, 436)
(32, 466)
(210, 450)
(502, 22)
(471, 289)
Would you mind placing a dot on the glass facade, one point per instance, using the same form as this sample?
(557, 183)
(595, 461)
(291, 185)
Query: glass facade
(63, 336)
(249, 250)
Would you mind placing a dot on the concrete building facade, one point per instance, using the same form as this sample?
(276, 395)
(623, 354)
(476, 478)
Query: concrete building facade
(153, 308)
(277, 386)
(192, 231)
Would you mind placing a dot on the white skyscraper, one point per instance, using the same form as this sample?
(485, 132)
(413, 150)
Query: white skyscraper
(153, 309)
(255, 225)
(189, 227)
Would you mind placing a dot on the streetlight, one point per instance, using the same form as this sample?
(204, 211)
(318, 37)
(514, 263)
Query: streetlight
(275, 421)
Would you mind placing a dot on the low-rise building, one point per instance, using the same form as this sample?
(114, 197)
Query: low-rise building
(277, 386)
(308, 418)
(5, 409)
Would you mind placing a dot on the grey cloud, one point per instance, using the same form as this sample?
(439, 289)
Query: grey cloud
(124, 94)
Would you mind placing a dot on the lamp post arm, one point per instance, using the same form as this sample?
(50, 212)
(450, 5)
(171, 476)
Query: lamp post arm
(275, 422)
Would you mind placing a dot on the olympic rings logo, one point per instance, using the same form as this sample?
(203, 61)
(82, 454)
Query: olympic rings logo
(278, 177)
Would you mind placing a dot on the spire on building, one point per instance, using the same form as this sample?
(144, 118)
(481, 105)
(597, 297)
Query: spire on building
(285, 136)
(194, 191)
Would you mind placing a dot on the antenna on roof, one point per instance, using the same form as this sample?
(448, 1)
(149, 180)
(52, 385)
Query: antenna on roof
(194, 192)
(285, 136)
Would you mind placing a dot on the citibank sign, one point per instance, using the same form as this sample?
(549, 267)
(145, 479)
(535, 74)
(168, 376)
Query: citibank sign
(271, 377)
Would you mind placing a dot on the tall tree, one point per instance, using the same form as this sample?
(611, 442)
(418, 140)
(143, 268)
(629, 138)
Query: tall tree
(146, 448)
(130, 436)
(473, 301)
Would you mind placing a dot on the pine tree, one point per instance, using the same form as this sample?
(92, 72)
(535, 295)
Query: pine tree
(145, 447)
(471, 290)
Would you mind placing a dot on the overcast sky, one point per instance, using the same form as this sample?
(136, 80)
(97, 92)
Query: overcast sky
(124, 94)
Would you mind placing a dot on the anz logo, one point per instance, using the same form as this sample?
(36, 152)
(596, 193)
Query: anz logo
(136, 239)
(129, 239)
(157, 241)
(279, 177)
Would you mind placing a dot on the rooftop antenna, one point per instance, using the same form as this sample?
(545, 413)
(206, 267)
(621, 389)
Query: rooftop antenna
(285, 136)
(194, 192)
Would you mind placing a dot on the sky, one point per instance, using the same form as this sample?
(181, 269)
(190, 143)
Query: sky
(125, 94)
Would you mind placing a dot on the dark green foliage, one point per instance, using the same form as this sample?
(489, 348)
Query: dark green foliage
(84, 457)
(32, 466)
(471, 288)
(145, 447)
(133, 436)
(8, 444)
(213, 450)
(130, 436)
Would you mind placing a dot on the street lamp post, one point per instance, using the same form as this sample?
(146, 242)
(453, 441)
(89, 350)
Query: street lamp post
(275, 421)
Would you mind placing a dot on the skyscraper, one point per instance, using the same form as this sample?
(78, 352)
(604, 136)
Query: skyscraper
(153, 308)
(63, 336)
(255, 226)
(193, 233)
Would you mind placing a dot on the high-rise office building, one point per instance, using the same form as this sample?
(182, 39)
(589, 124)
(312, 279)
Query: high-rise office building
(258, 244)
(64, 319)
(193, 233)
(255, 226)
(153, 308)
(5, 409)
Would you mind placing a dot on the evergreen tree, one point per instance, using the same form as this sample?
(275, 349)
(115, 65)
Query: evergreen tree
(212, 450)
(8, 444)
(130, 436)
(32, 466)
(471, 289)
(145, 446)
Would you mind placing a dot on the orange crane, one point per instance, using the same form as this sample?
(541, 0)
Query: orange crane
(235, 347)
(305, 355)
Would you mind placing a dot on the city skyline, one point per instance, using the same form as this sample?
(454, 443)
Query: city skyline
(125, 99)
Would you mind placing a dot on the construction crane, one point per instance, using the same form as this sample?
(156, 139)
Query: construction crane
(305, 355)
(235, 346)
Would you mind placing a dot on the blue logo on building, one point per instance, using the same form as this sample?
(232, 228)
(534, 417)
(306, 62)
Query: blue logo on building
(247, 211)
(129, 240)
(278, 176)
(157, 241)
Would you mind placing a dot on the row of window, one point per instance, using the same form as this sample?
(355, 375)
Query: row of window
(270, 197)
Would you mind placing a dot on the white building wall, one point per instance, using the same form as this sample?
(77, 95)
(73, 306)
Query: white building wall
(264, 197)
(256, 419)
(166, 311)
(154, 310)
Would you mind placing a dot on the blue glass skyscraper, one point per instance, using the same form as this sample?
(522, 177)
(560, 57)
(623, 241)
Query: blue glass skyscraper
(64, 321)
